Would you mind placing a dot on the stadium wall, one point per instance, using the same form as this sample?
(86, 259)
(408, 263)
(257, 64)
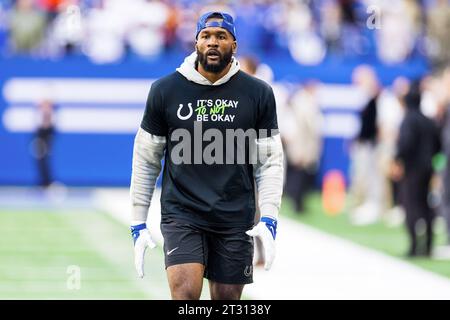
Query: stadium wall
(99, 107)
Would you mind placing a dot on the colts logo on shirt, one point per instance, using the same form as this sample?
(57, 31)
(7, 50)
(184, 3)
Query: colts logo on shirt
(188, 114)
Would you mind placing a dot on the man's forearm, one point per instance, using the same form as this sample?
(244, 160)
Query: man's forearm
(269, 174)
(147, 154)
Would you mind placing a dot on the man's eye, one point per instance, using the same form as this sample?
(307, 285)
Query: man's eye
(205, 36)
(222, 37)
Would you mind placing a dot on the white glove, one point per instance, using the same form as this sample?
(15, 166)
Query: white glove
(266, 230)
(142, 240)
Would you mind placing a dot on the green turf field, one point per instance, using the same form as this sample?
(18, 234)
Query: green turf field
(392, 241)
(37, 247)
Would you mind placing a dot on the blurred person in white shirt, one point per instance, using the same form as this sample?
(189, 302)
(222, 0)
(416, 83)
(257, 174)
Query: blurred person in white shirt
(366, 187)
(389, 118)
(303, 144)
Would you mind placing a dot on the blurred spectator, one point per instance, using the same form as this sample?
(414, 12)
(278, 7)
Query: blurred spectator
(3, 29)
(397, 36)
(43, 142)
(51, 7)
(248, 65)
(389, 118)
(104, 41)
(27, 26)
(438, 30)
(417, 144)
(308, 30)
(118, 25)
(305, 46)
(172, 23)
(366, 173)
(145, 32)
(67, 28)
(303, 144)
(445, 135)
(186, 29)
(331, 25)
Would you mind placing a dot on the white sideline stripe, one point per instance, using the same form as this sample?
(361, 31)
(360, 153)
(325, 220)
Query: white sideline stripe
(114, 90)
(76, 119)
(340, 125)
(19, 92)
(85, 90)
(338, 96)
(19, 118)
(311, 264)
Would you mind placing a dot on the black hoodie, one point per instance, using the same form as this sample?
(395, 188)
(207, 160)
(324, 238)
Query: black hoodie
(419, 136)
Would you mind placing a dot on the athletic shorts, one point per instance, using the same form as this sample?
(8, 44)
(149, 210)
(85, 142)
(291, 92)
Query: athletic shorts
(227, 254)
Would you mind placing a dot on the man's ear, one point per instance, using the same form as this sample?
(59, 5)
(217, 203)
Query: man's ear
(234, 46)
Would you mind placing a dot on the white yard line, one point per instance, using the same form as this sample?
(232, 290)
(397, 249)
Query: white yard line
(311, 264)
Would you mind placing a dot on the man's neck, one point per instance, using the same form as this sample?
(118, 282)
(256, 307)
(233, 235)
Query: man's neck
(212, 76)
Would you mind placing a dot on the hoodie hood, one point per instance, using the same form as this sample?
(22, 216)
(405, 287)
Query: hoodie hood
(187, 69)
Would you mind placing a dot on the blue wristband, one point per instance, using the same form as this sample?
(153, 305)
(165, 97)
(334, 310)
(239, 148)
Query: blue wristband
(271, 224)
(135, 230)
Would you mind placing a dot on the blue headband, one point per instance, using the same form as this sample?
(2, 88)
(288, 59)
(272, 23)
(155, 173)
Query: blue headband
(227, 22)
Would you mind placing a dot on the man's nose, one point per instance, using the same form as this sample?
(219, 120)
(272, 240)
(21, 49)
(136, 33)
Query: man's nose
(213, 42)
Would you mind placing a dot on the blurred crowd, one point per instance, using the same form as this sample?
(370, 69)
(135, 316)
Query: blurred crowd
(400, 170)
(107, 30)
(399, 156)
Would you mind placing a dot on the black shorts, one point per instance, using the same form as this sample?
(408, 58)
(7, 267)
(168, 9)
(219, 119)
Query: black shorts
(227, 254)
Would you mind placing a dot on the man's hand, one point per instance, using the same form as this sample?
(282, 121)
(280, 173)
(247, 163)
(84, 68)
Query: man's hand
(396, 171)
(266, 230)
(142, 240)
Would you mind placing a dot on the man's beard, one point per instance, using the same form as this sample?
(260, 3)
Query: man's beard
(224, 60)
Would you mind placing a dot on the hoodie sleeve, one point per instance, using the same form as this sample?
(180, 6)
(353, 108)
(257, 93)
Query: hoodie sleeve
(147, 154)
(268, 171)
(149, 146)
